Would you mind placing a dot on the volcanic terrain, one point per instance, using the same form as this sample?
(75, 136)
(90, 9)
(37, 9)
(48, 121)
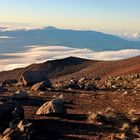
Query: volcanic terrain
(101, 98)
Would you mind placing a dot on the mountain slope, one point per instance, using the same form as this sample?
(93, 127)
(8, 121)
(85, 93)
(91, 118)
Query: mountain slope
(108, 68)
(76, 67)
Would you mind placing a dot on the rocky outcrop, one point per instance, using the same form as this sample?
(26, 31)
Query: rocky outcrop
(115, 119)
(81, 84)
(56, 106)
(125, 126)
(121, 83)
(31, 77)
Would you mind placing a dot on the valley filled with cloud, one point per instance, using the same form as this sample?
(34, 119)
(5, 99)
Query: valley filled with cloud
(38, 54)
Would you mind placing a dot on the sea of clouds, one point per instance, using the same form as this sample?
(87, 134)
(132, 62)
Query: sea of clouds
(38, 54)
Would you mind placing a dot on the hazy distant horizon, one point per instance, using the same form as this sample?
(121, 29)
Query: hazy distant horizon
(134, 36)
(115, 17)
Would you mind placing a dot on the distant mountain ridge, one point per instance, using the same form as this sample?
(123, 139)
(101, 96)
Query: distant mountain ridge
(97, 41)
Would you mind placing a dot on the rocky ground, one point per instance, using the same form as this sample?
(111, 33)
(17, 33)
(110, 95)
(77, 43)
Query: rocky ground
(91, 107)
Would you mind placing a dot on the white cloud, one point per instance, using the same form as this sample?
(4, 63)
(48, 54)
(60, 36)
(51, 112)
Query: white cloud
(5, 37)
(18, 26)
(37, 54)
(132, 36)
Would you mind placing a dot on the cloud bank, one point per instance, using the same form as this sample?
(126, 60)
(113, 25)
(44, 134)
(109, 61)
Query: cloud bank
(5, 37)
(38, 54)
(18, 26)
(132, 36)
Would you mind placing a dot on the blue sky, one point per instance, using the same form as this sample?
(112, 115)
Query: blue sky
(103, 15)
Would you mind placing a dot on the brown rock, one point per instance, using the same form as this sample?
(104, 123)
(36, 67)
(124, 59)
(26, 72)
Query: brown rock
(11, 134)
(24, 125)
(56, 106)
(31, 77)
(41, 86)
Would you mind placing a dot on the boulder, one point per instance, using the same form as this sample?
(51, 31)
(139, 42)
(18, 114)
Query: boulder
(10, 111)
(31, 77)
(21, 131)
(20, 95)
(41, 86)
(56, 106)
(92, 118)
(11, 134)
(24, 125)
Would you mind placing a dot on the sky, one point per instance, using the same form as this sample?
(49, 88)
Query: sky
(115, 16)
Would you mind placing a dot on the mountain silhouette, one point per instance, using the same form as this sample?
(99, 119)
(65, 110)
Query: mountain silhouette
(97, 41)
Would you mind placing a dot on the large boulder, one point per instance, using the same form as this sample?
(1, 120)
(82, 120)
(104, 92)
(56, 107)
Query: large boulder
(41, 85)
(56, 106)
(20, 95)
(31, 77)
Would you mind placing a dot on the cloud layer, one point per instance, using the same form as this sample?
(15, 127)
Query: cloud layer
(18, 26)
(132, 36)
(5, 37)
(37, 54)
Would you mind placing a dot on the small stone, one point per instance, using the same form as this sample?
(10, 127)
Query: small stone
(61, 96)
(114, 86)
(125, 93)
(134, 91)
